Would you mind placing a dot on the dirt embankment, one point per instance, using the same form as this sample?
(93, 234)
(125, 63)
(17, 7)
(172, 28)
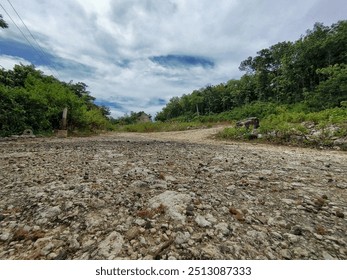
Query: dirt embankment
(174, 195)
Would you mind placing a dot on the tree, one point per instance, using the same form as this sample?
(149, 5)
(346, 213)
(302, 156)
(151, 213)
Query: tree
(333, 90)
(3, 23)
(30, 99)
(311, 69)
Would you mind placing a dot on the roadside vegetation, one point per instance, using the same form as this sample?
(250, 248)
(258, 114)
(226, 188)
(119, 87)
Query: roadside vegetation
(294, 126)
(31, 100)
(311, 72)
(298, 91)
(162, 126)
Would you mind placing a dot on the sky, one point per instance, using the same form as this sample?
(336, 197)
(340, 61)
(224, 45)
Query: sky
(137, 54)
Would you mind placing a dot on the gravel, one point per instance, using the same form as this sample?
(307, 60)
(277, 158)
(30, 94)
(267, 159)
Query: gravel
(175, 195)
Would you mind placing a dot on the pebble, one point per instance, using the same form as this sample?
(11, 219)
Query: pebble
(327, 256)
(339, 214)
(5, 236)
(299, 252)
(106, 198)
(285, 254)
(297, 230)
(182, 237)
(111, 246)
(223, 228)
(202, 222)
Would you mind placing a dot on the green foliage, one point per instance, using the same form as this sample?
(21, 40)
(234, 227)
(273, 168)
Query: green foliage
(235, 133)
(332, 89)
(312, 69)
(256, 109)
(289, 86)
(333, 115)
(12, 117)
(289, 125)
(3, 23)
(29, 99)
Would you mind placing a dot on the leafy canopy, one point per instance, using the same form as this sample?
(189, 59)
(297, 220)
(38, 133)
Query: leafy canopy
(311, 70)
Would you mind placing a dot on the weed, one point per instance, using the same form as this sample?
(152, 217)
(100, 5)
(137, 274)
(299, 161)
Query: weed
(150, 213)
(145, 213)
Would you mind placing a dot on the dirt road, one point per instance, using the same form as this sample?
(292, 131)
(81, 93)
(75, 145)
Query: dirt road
(200, 136)
(174, 195)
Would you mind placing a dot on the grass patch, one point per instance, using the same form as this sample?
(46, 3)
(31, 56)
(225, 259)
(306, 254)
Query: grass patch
(236, 133)
(161, 126)
(295, 127)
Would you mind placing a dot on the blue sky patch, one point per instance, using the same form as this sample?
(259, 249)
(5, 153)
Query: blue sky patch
(183, 61)
(113, 105)
(156, 102)
(17, 49)
(35, 57)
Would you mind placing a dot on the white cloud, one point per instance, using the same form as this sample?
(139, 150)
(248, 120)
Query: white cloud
(107, 43)
(8, 62)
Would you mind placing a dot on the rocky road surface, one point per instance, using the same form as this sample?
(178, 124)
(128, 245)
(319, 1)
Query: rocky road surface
(174, 195)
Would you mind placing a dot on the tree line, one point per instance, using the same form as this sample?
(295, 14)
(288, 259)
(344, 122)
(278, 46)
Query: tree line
(30, 99)
(311, 71)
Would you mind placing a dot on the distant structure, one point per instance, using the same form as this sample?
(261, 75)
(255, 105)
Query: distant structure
(143, 118)
(62, 133)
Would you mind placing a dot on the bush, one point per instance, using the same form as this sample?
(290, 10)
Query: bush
(236, 133)
(291, 126)
(37, 101)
